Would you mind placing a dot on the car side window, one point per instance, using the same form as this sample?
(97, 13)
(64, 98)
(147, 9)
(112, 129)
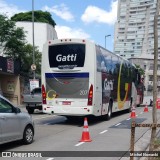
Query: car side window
(5, 107)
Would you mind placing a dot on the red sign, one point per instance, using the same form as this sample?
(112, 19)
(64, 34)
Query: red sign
(10, 65)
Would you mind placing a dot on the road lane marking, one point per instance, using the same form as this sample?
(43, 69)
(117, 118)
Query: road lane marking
(103, 131)
(79, 144)
(118, 124)
(128, 119)
(50, 159)
(46, 123)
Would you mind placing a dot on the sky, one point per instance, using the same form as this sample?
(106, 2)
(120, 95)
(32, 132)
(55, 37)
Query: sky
(86, 19)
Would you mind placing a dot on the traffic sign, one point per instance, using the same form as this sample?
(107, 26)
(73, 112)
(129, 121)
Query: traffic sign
(33, 67)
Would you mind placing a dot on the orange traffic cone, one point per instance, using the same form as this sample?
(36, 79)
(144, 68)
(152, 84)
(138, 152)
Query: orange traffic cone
(85, 133)
(146, 108)
(133, 113)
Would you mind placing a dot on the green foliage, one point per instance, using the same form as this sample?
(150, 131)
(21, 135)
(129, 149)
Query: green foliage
(142, 72)
(14, 45)
(6, 29)
(27, 60)
(39, 16)
(12, 40)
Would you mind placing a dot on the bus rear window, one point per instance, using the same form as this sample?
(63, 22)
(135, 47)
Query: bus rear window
(67, 56)
(67, 85)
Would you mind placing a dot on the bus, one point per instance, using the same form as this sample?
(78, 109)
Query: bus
(81, 78)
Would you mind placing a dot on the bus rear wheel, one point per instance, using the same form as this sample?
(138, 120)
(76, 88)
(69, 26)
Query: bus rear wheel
(109, 114)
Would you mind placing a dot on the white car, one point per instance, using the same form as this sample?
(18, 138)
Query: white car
(14, 124)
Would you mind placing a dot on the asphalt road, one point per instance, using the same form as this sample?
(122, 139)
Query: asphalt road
(58, 138)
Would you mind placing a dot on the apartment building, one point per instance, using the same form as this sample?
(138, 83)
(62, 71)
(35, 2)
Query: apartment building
(134, 29)
(134, 34)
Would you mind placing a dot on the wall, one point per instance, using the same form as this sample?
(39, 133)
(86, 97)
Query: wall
(10, 85)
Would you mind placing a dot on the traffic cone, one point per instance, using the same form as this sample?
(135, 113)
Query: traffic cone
(85, 134)
(133, 113)
(146, 108)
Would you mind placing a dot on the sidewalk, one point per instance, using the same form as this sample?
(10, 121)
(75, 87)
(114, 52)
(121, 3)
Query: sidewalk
(142, 144)
(146, 100)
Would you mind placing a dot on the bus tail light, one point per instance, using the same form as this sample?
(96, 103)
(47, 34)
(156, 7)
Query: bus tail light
(90, 95)
(43, 95)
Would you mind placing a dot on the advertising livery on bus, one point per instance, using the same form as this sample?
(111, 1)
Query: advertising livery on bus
(81, 78)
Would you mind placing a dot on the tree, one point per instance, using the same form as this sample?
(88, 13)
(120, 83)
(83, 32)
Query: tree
(6, 29)
(39, 16)
(27, 60)
(142, 72)
(14, 45)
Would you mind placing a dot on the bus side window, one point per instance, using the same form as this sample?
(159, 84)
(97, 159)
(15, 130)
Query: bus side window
(115, 65)
(101, 66)
(98, 59)
(108, 60)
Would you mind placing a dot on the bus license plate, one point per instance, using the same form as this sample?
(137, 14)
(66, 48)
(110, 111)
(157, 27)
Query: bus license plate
(66, 103)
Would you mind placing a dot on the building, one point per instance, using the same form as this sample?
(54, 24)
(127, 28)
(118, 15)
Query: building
(134, 35)
(10, 79)
(147, 66)
(134, 29)
(12, 85)
(42, 32)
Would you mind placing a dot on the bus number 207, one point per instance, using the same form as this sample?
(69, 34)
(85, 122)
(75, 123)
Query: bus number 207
(83, 92)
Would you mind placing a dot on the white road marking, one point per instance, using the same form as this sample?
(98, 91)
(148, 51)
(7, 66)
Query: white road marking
(128, 119)
(118, 124)
(50, 159)
(79, 144)
(47, 123)
(103, 131)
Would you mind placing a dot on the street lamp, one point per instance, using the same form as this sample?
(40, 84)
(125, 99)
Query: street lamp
(106, 37)
(33, 36)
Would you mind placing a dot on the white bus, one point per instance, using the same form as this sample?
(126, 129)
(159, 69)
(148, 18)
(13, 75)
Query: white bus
(80, 78)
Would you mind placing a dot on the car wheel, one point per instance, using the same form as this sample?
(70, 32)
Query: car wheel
(30, 110)
(28, 135)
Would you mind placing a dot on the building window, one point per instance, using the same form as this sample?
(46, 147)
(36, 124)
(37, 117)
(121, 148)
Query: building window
(150, 78)
(151, 67)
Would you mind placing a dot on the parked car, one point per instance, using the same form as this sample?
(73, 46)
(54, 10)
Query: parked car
(14, 124)
(33, 100)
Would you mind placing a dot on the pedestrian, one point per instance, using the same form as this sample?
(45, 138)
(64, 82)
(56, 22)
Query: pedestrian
(151, 103)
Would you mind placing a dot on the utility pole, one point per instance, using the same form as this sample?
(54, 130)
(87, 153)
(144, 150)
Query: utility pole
(154, 111)
(106, 37)
(33, 37)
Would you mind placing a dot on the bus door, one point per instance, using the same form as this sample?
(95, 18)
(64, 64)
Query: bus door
(98, 94)
(106, 91)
